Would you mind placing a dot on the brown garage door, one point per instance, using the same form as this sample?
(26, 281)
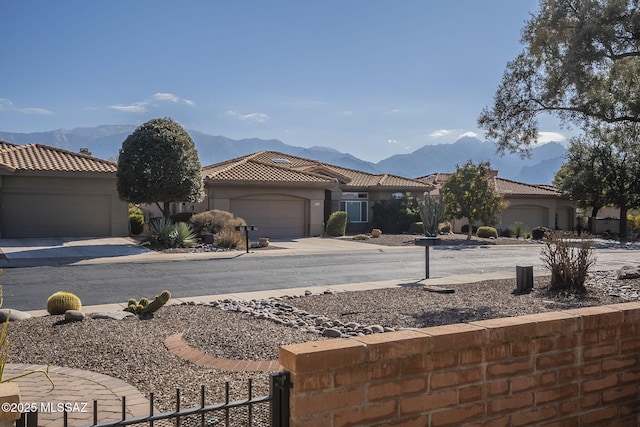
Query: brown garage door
(55, 215)
(274, 218)
(529, 216)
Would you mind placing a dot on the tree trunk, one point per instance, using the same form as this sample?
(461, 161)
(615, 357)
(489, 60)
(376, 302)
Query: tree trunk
(622, 231)
(592, 220)
(470, 230)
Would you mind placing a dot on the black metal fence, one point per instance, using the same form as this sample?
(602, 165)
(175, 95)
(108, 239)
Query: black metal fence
(272, 410)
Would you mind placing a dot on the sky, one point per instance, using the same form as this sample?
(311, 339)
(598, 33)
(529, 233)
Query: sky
(372, 78)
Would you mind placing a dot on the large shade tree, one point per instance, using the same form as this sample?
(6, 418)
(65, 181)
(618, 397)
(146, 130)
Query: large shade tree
(470, 193)
(603, 167)
(580, 63)
(158, 163)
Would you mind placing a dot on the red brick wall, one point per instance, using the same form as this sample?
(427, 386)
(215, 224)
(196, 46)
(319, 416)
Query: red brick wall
(569, 368)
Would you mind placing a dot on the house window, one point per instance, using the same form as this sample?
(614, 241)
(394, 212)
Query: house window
(356, 205)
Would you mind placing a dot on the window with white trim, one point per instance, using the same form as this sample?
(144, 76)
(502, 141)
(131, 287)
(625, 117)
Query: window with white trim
(356, 205)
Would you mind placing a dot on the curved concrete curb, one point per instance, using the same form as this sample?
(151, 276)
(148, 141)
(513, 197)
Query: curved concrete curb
(178, 347)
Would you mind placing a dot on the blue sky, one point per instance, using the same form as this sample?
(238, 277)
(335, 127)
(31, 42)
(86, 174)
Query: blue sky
(372, 78)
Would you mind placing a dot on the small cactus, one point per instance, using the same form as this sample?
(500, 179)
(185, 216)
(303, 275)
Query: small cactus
(158, 302)
(62, 301)
(144, 307)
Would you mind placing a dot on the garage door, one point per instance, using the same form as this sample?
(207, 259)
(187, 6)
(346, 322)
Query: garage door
(530, 217)
(274, 218)
(55, 215)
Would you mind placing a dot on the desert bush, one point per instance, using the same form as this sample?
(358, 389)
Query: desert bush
(507, 232)
(230, 238)
(136, 224)
(337, 224)
(416, 228)
(164, 232)
(539, 232)
(568, 258)
(183, 235)
(211, 221)
(487, 232)
(518, 231)
(445, 228)
(360, 237)
(393, 216)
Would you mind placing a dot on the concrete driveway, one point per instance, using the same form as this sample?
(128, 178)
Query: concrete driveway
(49, 251)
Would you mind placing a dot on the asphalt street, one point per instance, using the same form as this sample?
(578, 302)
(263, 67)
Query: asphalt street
(27, 288)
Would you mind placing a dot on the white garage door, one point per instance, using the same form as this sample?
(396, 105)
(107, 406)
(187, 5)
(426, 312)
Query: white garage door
(55, 215)
(274, 218)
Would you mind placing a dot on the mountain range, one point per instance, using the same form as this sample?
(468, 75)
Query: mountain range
(105, 142)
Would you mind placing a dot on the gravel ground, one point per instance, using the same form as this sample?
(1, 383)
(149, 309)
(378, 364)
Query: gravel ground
(133, 350)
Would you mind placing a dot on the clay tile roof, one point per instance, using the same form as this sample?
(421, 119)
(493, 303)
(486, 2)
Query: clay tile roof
(37, 157)
(505, 187)
(274, 166)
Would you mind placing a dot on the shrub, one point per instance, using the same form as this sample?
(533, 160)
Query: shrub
(360, 237)
(507, 232)
(135, 210)
(167, 234)
(518, 226)
(539, 232)
(465, 229)
(568, 258)
(445, 228)
(136, 224)
(416, 228)
(337, 224)
(393, 216)
(181, 217)
(487, 232)
(228, 237)
(183, 235)
(210, 221)
(62, 301)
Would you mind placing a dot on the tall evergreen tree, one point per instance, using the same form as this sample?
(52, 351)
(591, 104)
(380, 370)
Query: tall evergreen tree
(158, 163)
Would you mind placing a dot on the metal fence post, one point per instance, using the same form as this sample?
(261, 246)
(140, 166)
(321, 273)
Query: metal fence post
(280, 392)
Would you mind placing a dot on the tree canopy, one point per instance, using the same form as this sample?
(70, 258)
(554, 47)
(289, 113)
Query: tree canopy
(158, 163)
(603, 167)
(470, 193)
(580, 63)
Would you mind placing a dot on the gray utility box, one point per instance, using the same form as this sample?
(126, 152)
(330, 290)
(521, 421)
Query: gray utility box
(524, 278)
(427, 242)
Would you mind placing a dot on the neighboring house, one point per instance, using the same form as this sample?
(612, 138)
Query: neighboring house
(289, 196)
(50, 192)
(531, 205)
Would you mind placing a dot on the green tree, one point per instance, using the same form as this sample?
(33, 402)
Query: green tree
(158, 163)
(470, 193)
(610, 157)
(582, 178)
(580, 63)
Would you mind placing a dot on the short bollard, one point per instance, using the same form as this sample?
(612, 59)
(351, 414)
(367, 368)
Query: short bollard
(427, 242)
(524, 278)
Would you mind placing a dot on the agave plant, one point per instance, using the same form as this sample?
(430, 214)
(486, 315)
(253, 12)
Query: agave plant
(160, 231)
(183, 235)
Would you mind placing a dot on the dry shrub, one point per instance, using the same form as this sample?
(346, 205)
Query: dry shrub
(210, 221)
(568, 257)
(229, 237)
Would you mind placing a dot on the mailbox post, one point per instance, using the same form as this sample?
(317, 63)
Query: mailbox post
(427, 242)
(246, 229)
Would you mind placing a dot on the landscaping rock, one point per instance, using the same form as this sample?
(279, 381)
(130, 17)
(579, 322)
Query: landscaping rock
(113, 315)
(73, 316)
(331, 333)
(629, 272)
(13, 315)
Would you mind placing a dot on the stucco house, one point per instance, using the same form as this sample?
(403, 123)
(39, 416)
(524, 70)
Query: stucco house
(290, 196)
(532, 205)
(50, 192)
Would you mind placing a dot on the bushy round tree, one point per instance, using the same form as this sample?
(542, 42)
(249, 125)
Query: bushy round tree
(158, 163)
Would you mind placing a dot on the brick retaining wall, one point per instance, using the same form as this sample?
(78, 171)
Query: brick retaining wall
(574, 367)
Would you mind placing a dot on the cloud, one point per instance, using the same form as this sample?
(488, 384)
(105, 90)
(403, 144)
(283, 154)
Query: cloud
(7, 105)
(253, 117)
(544, 137)
(144, 106)
(347, 113)
(165, 97)
(391, 141)
(439, 133)
(469, 135)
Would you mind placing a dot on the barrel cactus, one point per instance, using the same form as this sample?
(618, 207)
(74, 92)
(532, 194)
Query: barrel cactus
(62, 301)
